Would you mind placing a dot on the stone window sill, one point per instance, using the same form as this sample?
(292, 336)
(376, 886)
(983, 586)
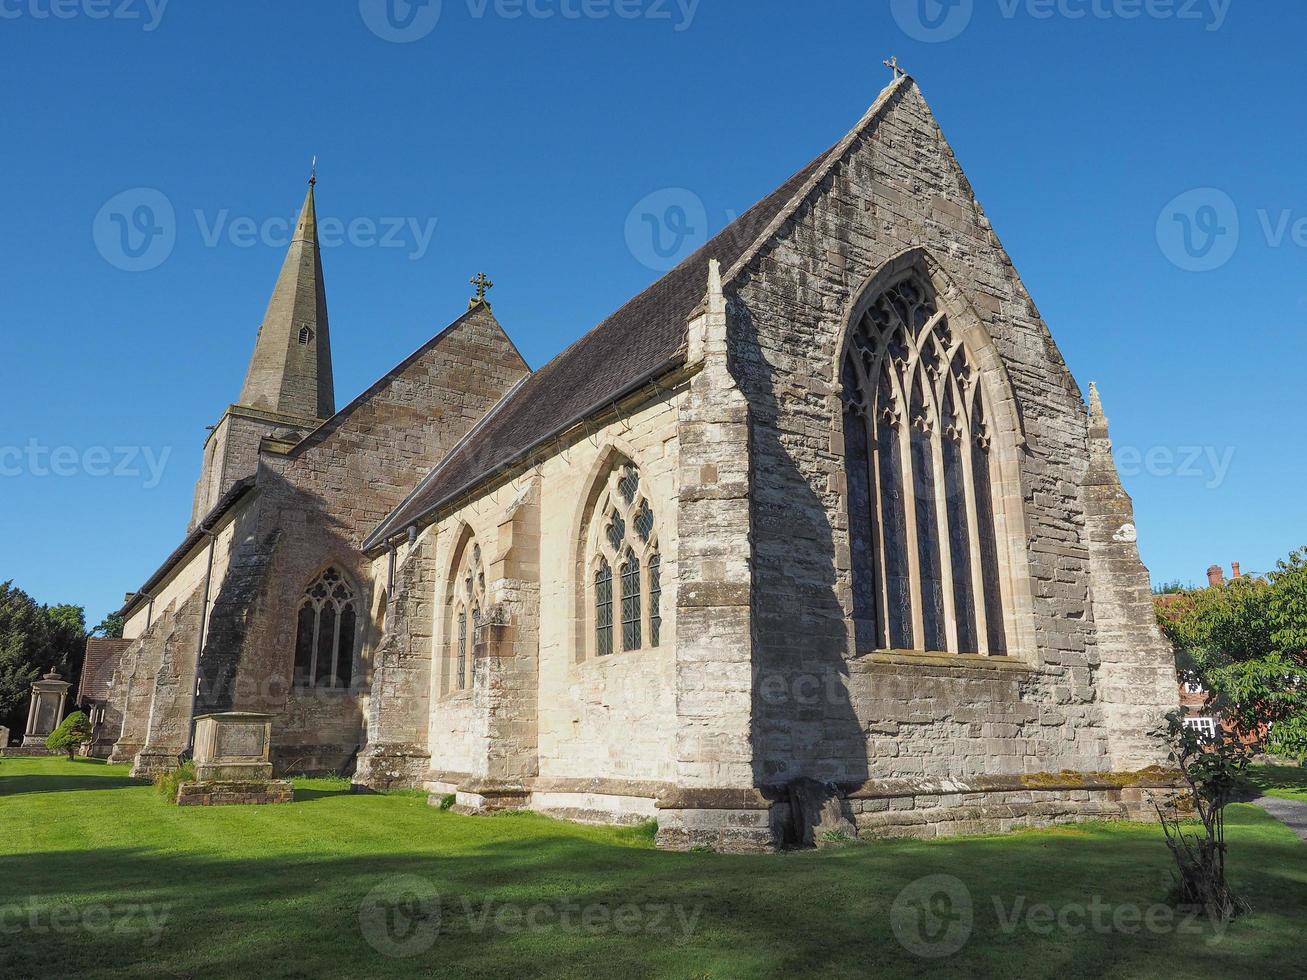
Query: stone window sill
(919, 658)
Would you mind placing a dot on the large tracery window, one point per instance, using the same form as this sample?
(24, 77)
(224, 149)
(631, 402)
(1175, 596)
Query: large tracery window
(626, 567)
(920, 478)
(326, 630)
(466, 601)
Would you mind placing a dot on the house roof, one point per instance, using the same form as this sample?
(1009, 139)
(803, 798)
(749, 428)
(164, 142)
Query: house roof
(642, 340)
(225, 503)
(98, 667)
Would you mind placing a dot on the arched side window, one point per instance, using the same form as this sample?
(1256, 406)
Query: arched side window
(326, 632)
(467, 600)
(625, 569)
(925, 555)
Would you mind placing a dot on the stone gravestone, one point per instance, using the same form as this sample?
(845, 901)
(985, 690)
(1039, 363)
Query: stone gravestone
(232, 762)
(46, 710)
(4, 737)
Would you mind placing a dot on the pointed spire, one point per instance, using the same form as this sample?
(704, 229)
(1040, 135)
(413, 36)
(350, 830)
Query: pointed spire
(1097, 418)
(1102, 465)
(290, 372)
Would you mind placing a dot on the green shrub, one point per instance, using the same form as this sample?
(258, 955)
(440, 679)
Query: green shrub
(73, 732)
(167, 782)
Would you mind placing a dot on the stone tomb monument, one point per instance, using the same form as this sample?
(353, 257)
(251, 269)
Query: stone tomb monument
(47, 709)
(231, 762)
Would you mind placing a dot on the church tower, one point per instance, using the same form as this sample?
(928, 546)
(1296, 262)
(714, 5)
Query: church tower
(288, 389)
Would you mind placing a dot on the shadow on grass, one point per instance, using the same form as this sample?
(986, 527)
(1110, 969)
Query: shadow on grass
(73, 782)
(321, 914)
(305, 794)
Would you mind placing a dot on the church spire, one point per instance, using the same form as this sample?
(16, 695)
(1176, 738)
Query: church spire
(290, 372)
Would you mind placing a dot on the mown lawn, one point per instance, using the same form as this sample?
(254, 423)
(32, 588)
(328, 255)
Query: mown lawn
(100, 877)
(1286, 782)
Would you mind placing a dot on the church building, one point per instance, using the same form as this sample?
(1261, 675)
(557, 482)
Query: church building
(816, 533)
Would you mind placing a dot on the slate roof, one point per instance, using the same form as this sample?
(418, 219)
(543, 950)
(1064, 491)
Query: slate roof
(98, 667)
(225, 503)
(643, 339)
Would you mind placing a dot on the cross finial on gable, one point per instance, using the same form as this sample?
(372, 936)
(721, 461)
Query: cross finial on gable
(893, 65)
(482, 284)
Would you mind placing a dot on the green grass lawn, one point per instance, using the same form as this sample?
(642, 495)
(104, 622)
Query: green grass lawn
(99, 876)
(1286, 782)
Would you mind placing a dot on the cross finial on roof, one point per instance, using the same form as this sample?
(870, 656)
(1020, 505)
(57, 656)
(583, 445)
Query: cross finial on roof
(313, 171)
(893, 65)
(482, 283)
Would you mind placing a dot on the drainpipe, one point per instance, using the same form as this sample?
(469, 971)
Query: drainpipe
(390, 574)
(199, 643)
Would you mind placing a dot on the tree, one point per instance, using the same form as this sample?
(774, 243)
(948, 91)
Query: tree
(111, 627)
(35, 639)
(1245, 641)
(73, 732)
(1212, 769)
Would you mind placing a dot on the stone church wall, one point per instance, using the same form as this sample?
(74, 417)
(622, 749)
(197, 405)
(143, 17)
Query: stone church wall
(319, 500)
(593, 727)
(822, 709)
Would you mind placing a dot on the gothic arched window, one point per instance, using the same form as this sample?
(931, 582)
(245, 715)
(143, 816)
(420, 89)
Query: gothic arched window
(467, 600)
(624, 546)
(920, 475)
(326, 631)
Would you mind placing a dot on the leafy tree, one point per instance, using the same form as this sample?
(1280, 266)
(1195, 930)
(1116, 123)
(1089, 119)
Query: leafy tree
(73, 732)
(111, 627)
(1212, 769)
(1246, 642)
(35, 639)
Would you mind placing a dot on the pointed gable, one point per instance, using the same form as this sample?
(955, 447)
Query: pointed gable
(642, 340)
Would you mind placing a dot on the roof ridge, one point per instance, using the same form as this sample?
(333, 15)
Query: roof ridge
(828, 162)
(391, 374)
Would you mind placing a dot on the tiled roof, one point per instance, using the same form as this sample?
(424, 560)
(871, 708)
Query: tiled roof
(228, 500)
(97, 670)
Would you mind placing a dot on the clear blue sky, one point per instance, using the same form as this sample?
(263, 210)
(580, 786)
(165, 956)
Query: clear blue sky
(529, 140)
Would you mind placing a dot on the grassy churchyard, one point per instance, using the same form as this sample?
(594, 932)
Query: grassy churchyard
(101, 877)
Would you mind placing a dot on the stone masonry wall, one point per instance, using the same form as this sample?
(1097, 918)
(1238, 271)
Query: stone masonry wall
(320, 500)
(822, 709)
